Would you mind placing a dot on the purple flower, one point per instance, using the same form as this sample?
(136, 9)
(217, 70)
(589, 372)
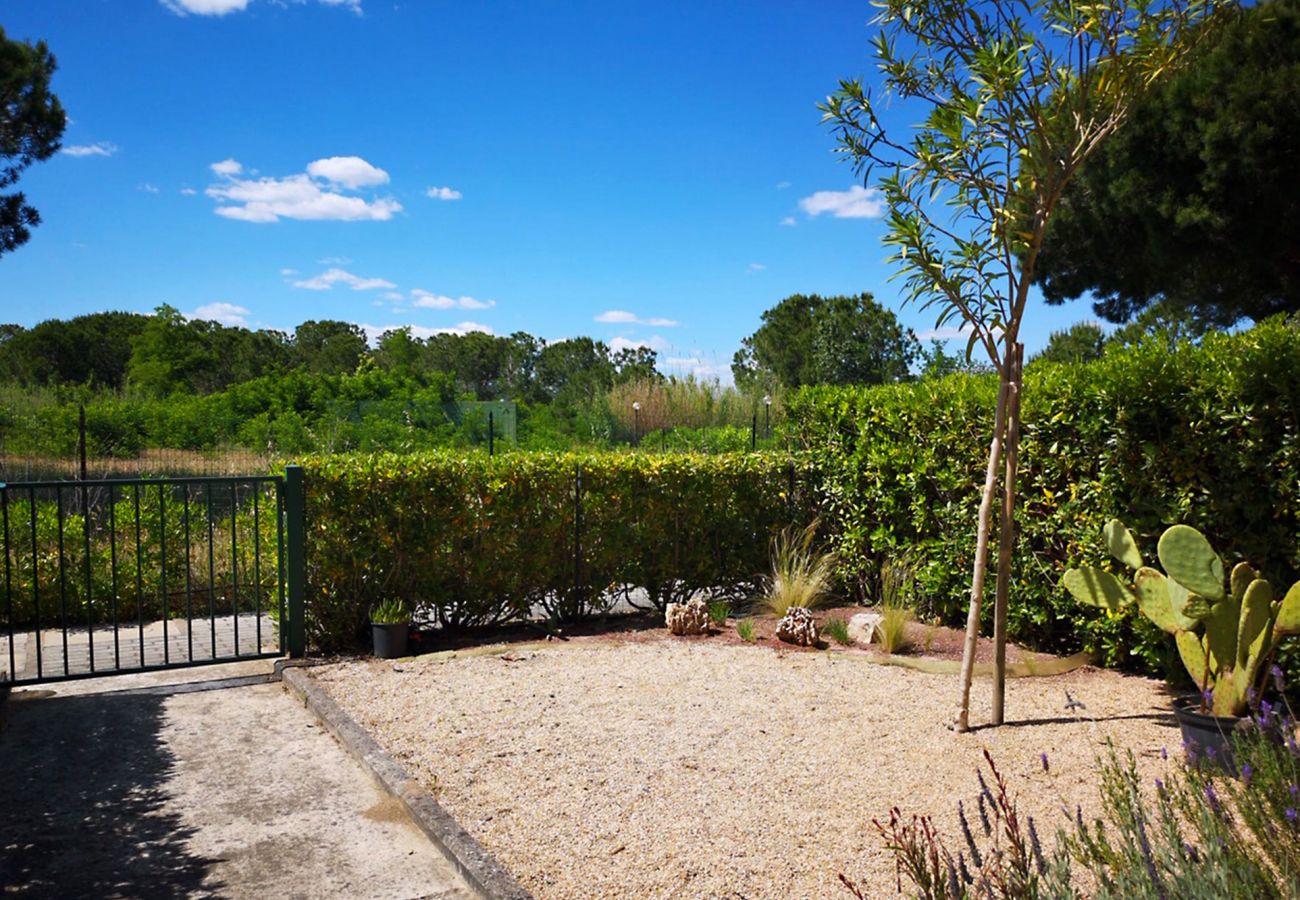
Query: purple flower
(1290, 814)
(1164, 753)
(1213, 799)
(1294, 791)
(1276, 672)
(1043, 757)
(1160, 785)
(1207, 697)
(1209, 751)
(1246, 772)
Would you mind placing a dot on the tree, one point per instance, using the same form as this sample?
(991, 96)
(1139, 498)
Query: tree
(90, 349)
(1162, 321)
(855, 340)
(809, 339)
(31, 123)
(1017, 94)
(168, 356)
(636, 364)
(328, 347)
(1193, 201)
(1081, 342)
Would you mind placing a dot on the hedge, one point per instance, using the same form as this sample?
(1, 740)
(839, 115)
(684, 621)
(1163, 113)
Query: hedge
(1205, 435)
(469, 539)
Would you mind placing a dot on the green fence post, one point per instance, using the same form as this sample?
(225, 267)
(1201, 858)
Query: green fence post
(295, 509)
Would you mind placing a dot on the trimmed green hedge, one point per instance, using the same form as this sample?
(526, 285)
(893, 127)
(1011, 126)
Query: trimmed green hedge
(469, 539)
(1208, 436)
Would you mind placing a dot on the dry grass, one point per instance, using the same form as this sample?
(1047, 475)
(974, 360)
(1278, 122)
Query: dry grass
(607, 769)
(801, 575)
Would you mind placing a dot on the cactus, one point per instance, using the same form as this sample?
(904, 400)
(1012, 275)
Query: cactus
(1224, 638)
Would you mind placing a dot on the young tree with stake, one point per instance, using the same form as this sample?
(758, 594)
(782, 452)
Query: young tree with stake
(1019, 93)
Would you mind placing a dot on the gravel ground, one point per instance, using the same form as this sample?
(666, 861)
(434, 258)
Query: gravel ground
(681, 768)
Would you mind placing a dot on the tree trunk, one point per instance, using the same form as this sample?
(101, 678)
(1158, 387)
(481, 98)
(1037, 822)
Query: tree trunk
(1007, 538)
(962, 722)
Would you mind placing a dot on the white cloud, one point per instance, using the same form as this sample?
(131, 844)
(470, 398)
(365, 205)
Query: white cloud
(623, 317)
(188, 192)
(302, 196)
(423, 332)
(326, 280)
(350, 171)
(205, 7)
(225, 313)
(227, 168)
(782, 185)
(224, 7)
(856, 203)
(443, 193)
(335, 261)
(654, 342)
(430, 300)
(99, 148)
(395, 296)
(147, 188)
(287, 272)
(788, 220)
(698, 366)
(756, 267)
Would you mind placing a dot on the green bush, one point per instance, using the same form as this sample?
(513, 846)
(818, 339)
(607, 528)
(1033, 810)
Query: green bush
(1207, 436)
(468, 539)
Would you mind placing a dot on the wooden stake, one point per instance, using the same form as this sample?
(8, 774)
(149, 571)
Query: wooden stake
(1007, 538)
(962, 722)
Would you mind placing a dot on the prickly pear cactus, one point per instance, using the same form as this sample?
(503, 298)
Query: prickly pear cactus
(1224, 637)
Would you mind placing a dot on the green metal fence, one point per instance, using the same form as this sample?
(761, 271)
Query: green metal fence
(128, 575)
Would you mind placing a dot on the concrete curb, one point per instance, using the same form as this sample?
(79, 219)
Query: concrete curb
(484, 874)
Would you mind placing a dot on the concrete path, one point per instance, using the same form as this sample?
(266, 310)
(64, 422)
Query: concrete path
(135, 646)
(140, 786)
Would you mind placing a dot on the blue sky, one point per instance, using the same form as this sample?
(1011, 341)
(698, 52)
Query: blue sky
(640, 172)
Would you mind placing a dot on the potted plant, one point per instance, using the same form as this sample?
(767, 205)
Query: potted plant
(390, 626)
(1226, 635)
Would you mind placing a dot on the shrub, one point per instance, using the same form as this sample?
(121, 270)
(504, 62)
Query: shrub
(837, 630)
(718, 612)
(473, 540)
(745, 629)
(1205, 435)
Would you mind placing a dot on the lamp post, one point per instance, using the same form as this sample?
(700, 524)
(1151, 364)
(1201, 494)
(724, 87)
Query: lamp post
(767, 415)
(636, 422)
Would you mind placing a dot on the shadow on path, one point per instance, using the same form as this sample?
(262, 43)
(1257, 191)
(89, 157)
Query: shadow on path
(83, 788)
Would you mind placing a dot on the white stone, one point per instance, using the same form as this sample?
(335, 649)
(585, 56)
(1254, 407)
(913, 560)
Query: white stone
(862, 627)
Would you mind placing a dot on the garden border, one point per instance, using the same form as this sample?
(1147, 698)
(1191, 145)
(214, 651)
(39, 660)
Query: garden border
(483, 872)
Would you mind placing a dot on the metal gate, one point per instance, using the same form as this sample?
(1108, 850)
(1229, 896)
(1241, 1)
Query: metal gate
(129, 575)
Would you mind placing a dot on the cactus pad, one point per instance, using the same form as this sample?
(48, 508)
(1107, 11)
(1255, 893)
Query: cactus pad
(1288, 613)
(1152, 589)
(1254, 628)
(1189, 559)
(1242, 575)
(1121, 544)
(1097, 587)
(1192, 651)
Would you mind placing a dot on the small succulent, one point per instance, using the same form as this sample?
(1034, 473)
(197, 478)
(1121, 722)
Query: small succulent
(390, 612)
(1224, 635)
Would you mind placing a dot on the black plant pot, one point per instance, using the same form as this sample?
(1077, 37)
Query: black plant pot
(1207, 737)
(390, 640)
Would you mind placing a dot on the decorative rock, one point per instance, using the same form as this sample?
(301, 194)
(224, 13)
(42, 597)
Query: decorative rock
(691, 617)
(862, 627)
(798, 627)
